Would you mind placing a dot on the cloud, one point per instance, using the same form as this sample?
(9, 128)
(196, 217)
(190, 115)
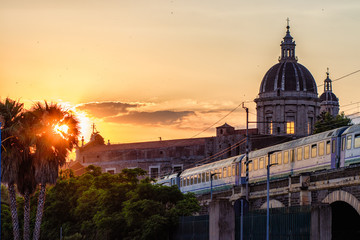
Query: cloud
(151, 118)
(107, 109)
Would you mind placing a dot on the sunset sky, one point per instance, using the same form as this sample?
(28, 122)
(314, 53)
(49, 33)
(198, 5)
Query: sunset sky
(142, 69)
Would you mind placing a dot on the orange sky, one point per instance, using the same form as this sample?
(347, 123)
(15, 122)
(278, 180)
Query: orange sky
(147, 69)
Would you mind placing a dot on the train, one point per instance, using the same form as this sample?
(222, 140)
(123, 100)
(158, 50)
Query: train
(331, 149)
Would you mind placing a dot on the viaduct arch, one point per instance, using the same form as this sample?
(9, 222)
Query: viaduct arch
(343, 196)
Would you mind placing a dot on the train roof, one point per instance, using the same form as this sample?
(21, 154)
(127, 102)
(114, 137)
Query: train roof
(352, 129)
(298, 142)
(212, 165)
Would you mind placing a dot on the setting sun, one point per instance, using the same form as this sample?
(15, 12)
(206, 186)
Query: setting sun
(61, 130)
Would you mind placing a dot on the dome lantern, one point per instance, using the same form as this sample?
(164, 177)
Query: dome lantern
(287, 46)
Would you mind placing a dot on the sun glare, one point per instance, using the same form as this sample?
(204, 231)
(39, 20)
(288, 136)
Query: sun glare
(61, 130)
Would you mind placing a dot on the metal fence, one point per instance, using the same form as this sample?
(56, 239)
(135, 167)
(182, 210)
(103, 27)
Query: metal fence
(192, 228)
(291, 223)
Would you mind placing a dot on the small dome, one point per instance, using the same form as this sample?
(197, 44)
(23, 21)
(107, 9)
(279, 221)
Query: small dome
(288, 76)
(328, 96)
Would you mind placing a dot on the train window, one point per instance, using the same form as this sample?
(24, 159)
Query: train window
(237, 169)
(203, 177)
(357, 141)
(261, 163)
(195, 179)
(199, 178)
(292, 155)
(207, 176)
(343, 144)
(216, 174)
(328, 148)
(181, 183)
(250, 166)
(229, 171)
(191, 180)
(286, 157)
(333, 146)
(219, 173)
(266, 161)
(306, 152)
(279, 158)
(273, 158)
(313, 150)
(348, 142)
(255, 161)
(224, 172)
(188, 181)
(233, 170)
(321, 149)
(299, 154)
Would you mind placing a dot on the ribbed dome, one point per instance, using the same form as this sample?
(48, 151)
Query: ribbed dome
(288, 76)
(328, 96)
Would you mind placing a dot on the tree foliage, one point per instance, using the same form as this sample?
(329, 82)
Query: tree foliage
(325, 121)
(105, 206)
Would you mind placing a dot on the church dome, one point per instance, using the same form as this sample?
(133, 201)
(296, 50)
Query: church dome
(288, 76)
(328, 96)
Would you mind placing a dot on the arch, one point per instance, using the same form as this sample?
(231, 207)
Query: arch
(273, 203)
(340, 195)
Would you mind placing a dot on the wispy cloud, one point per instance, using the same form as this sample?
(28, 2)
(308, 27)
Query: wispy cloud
(151, 118)
(107, 109)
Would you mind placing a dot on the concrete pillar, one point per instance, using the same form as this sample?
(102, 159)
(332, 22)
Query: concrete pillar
(321, 218)
(305, 194)
(221, 220)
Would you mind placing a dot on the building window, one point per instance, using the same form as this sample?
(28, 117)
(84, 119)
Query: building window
(269, 125)
(177, 168)
(290, 125)
(154, 171)
(310, 125)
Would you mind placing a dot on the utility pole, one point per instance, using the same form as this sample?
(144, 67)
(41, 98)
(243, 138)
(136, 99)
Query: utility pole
(247, 152)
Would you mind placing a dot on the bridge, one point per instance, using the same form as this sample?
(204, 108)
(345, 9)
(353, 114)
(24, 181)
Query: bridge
(332, 195)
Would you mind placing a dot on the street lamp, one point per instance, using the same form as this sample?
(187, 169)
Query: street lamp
(267, 191)
(211, 179)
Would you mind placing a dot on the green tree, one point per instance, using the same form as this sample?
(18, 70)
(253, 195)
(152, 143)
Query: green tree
(325, 121)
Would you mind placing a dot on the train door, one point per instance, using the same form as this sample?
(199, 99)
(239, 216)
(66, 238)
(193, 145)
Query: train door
(342, 151)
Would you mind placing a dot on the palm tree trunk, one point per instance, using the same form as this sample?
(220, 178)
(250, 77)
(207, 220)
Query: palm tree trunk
(40, 210)
(27, 216)
(13, 209)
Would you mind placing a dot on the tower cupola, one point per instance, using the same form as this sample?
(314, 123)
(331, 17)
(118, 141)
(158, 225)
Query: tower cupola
(329, 102)
(287, 46)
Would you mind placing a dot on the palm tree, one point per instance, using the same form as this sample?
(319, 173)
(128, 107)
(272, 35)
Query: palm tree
(56, 133)
(11, 157)
(26, 183)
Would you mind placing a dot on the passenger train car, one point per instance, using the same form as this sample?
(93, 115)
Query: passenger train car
(327, 150)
